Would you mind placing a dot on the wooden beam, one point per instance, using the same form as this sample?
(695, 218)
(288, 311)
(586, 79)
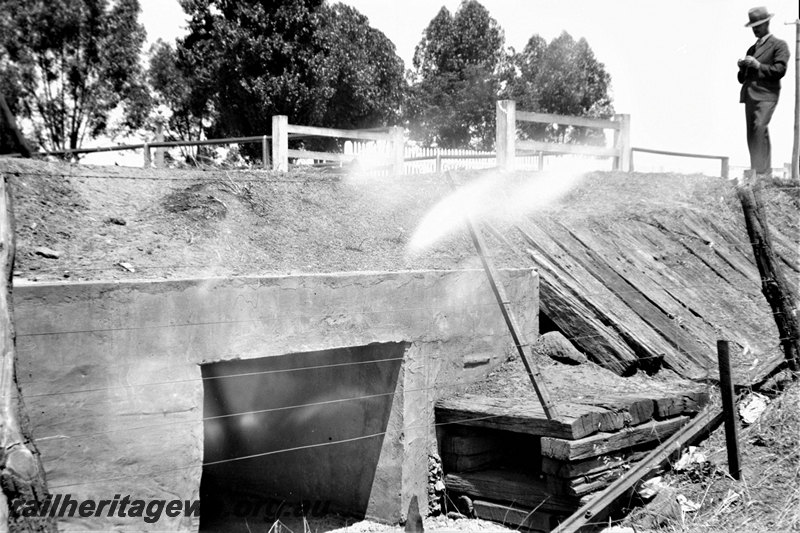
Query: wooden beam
(678, 154)
(605, 443)
(558, 148)
(337, 133)
(592, 466)
(773, 284)
(622, 142)
(704, 423)
(22, 471)
(506, 134)
(531, 520)
(550, 118)
(510, 486)
(280, 143)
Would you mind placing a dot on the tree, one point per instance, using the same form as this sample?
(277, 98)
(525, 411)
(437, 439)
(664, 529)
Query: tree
(457, 72)
(188, 109)
(72, 62)
(369, 87)
(565, 78)
(318, 64)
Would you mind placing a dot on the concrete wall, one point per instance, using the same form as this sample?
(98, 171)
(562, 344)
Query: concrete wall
(111, 372)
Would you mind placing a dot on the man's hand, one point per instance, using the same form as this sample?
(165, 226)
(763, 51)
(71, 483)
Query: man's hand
(751, 62)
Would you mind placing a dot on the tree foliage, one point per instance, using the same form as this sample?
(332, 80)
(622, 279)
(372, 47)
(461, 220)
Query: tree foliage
(457, 72)
(319, 64)
(70, 63)
(461, 68)
(564, 78)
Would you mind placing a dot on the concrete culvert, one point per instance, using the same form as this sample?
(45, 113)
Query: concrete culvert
(295, 436)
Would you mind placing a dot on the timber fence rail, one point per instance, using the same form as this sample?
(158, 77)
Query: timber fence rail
(508, 147)
(147, 146)
(724, 160)
(282, 130)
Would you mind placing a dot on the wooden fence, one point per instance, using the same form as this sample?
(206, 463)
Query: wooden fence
(383, 150)
(508, 147)
(281, 130)
(724, 160)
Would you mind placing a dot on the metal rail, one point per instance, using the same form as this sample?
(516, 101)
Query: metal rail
(531, 368)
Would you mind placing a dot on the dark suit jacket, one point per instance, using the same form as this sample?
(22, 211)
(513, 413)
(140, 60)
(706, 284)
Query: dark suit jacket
(763, 84)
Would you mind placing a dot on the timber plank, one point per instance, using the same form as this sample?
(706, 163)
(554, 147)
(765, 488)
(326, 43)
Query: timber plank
(461, 442)
(526, 490)
(514, 516)
(510, 414)
(585, 485)
(635, 258)
(454, 462)
(609, 307)
(628, 293)
(593, 465)
(604, 443)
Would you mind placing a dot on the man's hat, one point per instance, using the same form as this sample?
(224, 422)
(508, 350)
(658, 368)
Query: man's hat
(758, 15)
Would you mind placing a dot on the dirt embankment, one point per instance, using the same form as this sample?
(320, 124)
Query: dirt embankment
(181, 223)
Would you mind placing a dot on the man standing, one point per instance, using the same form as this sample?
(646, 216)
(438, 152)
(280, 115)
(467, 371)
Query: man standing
(760, 73)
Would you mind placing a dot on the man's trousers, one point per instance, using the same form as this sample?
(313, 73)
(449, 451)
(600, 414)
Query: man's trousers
(758, 115)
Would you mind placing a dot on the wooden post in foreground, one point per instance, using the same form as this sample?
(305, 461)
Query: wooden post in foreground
(280, 143)
(796, 144)
(22, 473)
(773, 284)
(729, 409)
(506, 134)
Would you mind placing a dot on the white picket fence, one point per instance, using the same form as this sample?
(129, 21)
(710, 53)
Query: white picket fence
(372, 157)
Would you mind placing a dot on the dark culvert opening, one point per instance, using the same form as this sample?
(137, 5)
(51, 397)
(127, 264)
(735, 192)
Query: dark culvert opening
(272, 432)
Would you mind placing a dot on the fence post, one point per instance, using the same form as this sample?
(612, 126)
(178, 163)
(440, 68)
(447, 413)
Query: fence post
(146, 155)
(540, 161)
(506, 133)
(622, 142)
(280, 143)
(729, 408)
(438, 163)
(265, 152)
(725, 171)
(398, 150)
(160, 149)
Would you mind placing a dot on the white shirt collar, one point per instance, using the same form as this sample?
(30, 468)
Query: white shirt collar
(763, 39)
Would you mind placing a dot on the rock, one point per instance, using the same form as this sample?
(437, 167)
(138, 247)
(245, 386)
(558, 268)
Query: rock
(22, 463)
(115, 220)
(555, 346)
(692, 456)
(751, 407)
(663, 511)
(127, 266)
(47, 252)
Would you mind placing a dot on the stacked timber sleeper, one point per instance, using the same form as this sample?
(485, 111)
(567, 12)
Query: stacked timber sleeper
(522, 470)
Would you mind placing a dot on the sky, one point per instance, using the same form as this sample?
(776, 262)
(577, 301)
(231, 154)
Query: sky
(672, 64)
